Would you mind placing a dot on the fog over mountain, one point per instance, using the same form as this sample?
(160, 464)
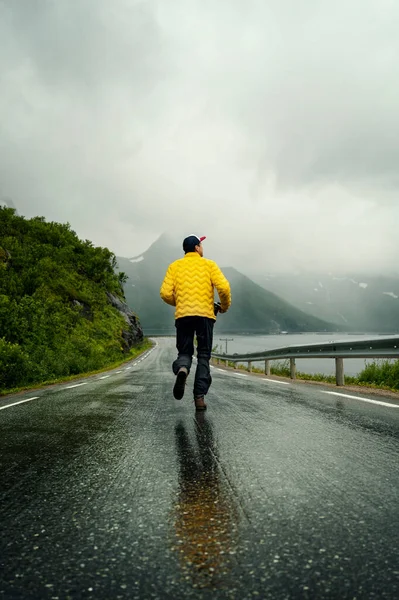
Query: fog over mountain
(253, 310)
(271, 127)
(357, 303)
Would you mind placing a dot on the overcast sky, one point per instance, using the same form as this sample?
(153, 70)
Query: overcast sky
(271, 126)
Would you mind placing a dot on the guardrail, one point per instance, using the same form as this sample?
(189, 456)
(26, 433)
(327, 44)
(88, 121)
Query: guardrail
(382, 347)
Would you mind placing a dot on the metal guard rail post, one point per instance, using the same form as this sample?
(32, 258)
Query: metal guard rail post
(382, 347)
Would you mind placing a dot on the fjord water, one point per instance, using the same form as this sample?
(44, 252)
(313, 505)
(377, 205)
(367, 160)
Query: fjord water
(257, 343)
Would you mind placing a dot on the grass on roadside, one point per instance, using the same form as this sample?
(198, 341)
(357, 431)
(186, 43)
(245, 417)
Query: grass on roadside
(134, 352)
(378, 374)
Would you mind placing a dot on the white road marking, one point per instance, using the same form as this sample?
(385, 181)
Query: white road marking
(69, 387)
(20, 402)
(363, 399)
(241, 374)
(127, 368)
(118, 372)
(275, 381)
(105, 377)
(221, 370)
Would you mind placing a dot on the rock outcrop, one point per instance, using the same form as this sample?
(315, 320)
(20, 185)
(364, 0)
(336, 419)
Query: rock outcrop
(133, 334)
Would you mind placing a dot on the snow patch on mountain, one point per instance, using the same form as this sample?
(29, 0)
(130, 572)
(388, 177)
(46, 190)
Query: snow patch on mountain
(342, 317)
(360, 284)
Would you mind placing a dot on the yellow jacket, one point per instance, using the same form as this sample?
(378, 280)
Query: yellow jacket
(189, 285)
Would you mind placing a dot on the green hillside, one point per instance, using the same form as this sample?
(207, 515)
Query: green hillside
(57, 303)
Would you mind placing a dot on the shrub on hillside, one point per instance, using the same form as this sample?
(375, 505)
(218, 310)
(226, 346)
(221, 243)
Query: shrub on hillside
(55, 317)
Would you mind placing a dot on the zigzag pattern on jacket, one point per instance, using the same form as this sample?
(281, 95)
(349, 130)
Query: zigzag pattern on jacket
(189, 286)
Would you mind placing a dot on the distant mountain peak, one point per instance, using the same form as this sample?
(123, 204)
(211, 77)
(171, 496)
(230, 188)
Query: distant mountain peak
(254, 309)
(163, 243)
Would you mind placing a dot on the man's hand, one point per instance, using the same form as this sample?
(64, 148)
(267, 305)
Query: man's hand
(217, 308)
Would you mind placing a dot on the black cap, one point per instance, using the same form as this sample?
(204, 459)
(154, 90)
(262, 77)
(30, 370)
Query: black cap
(191, 241)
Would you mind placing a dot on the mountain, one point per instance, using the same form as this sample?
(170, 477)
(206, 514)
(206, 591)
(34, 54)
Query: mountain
(145, 275)
(368, 304)
(256, 310)
(253, 310)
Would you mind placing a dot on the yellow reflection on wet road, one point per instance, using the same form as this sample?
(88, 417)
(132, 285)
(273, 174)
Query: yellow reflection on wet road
(205, 518)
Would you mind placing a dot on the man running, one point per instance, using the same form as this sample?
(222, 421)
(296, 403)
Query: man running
(189, 286)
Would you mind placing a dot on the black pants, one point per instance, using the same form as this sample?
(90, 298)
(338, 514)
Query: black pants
(186, 327)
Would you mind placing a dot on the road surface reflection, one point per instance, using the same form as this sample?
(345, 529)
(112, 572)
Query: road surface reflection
(205, 517)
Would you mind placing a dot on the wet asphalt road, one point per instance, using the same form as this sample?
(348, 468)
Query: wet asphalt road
(113, 489)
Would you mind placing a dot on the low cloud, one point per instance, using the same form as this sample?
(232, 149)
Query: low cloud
(269, 127)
